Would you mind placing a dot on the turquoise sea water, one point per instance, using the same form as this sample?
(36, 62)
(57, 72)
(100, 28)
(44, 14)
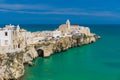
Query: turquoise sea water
(97, 61)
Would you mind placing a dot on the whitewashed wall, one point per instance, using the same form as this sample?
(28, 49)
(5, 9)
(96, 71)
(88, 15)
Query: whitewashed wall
(3, 37)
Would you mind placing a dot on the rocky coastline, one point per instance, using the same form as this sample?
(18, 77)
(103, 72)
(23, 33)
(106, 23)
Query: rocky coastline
(12, 64)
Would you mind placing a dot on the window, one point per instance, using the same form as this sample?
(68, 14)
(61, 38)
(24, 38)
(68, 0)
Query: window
(18, 45)
(6, 42)
(6, 34)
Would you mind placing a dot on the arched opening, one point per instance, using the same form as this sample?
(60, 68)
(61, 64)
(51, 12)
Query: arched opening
(92, 41)
(40, 53)
(18, 45)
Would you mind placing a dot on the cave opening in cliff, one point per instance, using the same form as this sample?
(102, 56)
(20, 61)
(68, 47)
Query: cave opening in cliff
(40, 52)
(92, 41)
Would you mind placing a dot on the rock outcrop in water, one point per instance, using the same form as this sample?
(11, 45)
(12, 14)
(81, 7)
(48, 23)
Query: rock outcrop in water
(29, 46)
(12, 64)
(63, 44)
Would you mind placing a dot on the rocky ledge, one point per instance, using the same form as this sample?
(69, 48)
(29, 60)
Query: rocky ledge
(12, 64)
(55, 46)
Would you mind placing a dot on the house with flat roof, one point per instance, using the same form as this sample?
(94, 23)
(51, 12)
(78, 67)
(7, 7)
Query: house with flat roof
(12, 37)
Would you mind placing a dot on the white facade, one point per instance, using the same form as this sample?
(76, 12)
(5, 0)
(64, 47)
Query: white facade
(12, 38)
(85, 30)
(6, 37)
(37, 39)
(57, 34)
(47, 34)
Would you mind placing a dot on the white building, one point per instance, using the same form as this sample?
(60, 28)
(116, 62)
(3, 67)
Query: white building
(12, 37)
(57, 34)
(6, 37)
(68, 29)
(85, 30)
(38, 39)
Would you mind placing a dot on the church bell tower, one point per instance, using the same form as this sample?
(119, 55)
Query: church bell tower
(68, 24)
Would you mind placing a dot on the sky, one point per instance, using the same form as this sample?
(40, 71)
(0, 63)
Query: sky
(58, 11)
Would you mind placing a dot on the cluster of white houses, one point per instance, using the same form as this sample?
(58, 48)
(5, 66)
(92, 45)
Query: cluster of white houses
(62, 31)
(13, 37)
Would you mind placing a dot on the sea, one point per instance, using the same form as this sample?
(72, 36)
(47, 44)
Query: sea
(96, 61)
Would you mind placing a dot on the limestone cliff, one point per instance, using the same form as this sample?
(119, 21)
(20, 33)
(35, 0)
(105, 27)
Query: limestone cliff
(12, 64)
(65, 43)
(30, 54)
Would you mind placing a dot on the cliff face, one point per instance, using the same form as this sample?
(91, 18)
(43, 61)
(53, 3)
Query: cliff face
(30, 54)
(63, 44)
(12, 64)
